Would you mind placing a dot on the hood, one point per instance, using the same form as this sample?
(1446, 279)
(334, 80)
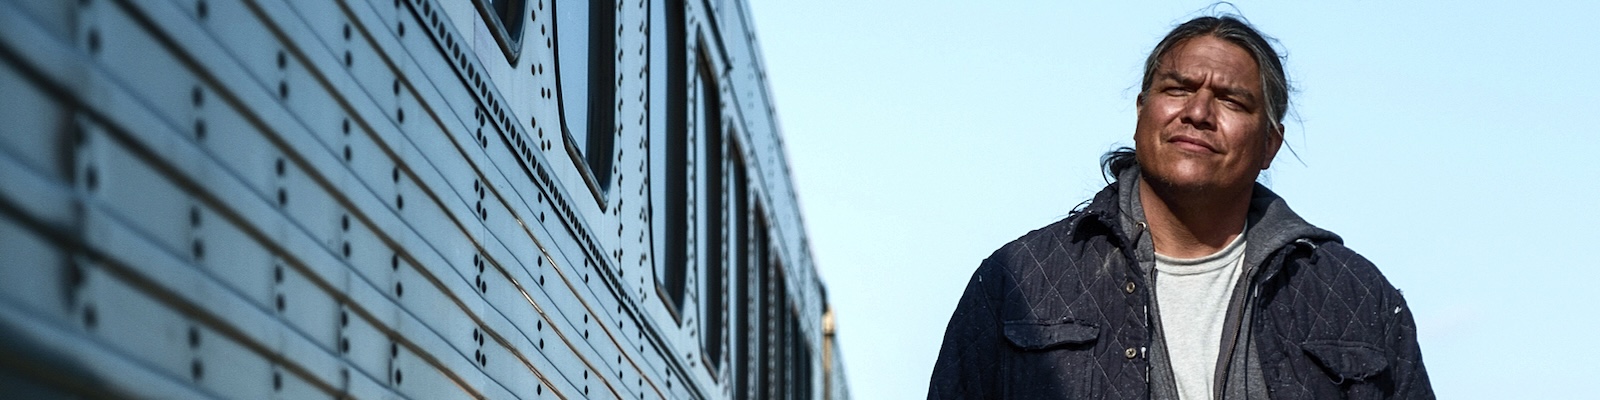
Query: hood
(1271, 224)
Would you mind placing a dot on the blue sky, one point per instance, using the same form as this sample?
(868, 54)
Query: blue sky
(1454, 145)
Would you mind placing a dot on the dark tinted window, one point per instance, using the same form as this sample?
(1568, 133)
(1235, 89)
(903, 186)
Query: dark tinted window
(586, 86)
(711, 208)
(505, 19)
(675, 156)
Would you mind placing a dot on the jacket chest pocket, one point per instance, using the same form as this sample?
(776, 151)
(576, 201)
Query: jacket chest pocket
(1348, 370)
(1049, 359)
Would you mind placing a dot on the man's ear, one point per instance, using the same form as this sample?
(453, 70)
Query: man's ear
(1274, 143)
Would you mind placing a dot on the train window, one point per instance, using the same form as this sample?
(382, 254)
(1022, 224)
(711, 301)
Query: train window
(741, 234)
(669, 131)
(800, 372)
(774, 333)
(585, 86)
(710, 131)
(504, 18)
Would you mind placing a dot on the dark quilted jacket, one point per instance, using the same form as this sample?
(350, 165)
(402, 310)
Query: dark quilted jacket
(1066, 312)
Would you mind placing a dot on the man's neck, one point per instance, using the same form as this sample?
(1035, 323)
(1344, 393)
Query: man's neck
(1191, 224)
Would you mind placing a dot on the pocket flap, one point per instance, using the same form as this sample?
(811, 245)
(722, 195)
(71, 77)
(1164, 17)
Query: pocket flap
(1347, 360)
(1044, 334)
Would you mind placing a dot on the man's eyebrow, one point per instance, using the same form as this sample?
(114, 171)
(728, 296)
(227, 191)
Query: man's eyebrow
(1229, 91)
(1235, 92)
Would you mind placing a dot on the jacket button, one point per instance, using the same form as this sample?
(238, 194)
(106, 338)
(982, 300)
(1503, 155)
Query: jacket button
(1129, 287)
(1131, 352)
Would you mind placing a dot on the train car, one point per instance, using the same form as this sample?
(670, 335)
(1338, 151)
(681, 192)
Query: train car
(426, 199)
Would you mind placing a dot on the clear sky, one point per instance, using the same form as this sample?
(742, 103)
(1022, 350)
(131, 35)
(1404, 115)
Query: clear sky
(1453, 144)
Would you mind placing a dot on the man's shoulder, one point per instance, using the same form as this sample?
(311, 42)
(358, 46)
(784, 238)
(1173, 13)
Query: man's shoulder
(1337, 271)
(1334, 258)
(1059, 241)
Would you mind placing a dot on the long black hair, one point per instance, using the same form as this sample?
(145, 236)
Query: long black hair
(1117, 160)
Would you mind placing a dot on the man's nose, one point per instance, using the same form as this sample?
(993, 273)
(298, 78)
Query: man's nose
(1198, 110)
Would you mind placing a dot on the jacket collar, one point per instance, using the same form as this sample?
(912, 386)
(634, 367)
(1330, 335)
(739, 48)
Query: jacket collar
(1272, 224)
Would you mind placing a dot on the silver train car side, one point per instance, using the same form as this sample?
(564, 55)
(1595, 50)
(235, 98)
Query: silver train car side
(424, 199)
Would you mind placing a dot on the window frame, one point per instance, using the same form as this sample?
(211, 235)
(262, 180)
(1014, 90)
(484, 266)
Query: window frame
(508, 36)
(594, 159)
(672, 246)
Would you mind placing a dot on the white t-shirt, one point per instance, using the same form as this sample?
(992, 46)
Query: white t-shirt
(1192, 295)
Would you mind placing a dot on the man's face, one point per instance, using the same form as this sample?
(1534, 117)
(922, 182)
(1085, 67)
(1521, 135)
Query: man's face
(1202, 125)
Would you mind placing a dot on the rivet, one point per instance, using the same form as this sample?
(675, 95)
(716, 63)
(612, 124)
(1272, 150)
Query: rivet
(89, 318)
(90, 179)
(1131, 352)
(1129, 287)
(94, 41)
(75, 275)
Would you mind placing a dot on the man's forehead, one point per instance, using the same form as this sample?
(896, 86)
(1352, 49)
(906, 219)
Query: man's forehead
(1219, 62)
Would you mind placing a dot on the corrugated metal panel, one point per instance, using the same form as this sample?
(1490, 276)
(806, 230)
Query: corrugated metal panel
(272, 198)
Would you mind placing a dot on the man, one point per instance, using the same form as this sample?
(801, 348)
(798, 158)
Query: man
(1184, 279)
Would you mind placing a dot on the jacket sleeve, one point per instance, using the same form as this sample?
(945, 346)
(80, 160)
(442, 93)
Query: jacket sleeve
(967, 364)
(1409, 376)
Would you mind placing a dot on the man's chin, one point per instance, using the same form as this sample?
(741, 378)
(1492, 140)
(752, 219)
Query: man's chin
(1183, 183)
(1180, 177)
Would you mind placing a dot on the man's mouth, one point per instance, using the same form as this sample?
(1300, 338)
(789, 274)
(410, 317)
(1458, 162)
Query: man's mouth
(1192, 144)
